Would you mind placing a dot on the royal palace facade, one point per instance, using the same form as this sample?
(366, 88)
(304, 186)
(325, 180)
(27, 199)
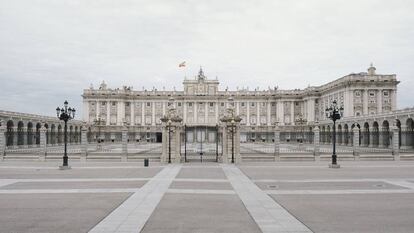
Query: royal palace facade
(201, 104)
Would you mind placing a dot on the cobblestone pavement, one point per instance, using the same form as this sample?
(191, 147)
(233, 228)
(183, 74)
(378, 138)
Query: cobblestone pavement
(361, 196)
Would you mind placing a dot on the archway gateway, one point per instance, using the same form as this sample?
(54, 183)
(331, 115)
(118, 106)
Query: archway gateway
(201, 143)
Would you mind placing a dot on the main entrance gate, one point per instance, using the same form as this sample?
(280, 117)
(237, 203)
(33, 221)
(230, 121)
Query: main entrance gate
(201, 143)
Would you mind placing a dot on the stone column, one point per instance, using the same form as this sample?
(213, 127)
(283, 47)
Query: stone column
(379, 101)
(223, 158)
(268, 112)
(365, 102)
(228, 138)
(248, 113)
(292, 112)
(2, 142)
(395, 143)
(24, 132)
(124, 153)
(43, 148)
(84, 144)
(277, 143)
(316, 143)
(15, 136)
(356, 143)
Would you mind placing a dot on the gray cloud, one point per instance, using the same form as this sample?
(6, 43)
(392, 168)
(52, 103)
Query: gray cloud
(51, 50)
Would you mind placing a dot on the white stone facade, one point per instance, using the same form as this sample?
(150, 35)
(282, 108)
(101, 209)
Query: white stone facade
(201, 103)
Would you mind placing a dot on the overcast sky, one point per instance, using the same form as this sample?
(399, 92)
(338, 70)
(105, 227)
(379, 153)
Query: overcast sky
(52, 50)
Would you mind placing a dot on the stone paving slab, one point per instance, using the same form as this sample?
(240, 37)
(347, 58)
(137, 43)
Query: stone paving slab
(374, 213)
(78, 173)
(269, 215)
(44, 213)
(201, 185)
(201, 213)
(132, 215)
(325, 185)
(309, 172)
(75, 185)
(202, 173)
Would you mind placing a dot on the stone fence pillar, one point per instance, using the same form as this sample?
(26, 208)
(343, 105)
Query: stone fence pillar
(171, 136)
(2, 142)
(316, 143)
(42, 145)
(84, 144)
(395, 143)
(355, 140)
(277, 143)
(124, 153)
(232, 143)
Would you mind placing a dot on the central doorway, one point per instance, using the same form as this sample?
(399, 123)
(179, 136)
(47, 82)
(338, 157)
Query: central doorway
(201, 144)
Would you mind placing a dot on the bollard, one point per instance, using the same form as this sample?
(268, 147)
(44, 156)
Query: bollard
(146, 162)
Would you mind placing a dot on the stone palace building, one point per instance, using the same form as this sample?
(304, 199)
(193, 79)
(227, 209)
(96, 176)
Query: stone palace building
(202, 104)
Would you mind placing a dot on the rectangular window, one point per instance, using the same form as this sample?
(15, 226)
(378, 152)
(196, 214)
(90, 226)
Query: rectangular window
(242, 104)
(386, 93)
(211, 104)
(113, 103)
(127, 104)
(222, 104)
(148, 104)
(190, 104)
(252, 105)
(179, 104)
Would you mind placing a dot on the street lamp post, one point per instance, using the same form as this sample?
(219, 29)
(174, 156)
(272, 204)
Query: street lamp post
(334, 113)
(65, 114)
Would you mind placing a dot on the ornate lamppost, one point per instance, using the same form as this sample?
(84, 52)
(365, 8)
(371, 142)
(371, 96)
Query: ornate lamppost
(170, 120)
(65, 114)
(231, 121)
(334, 113)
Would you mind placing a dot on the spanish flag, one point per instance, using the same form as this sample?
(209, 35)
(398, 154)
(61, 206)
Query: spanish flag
(182, 64)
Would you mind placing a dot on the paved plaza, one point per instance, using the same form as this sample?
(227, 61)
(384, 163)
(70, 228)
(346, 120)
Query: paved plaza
(361, 196)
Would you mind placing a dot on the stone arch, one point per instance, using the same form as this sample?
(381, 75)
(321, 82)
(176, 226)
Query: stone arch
(398, 124)
(38, 127)
(89, 135)
(53, 134)
(385, 134)
(346, 134)
(76, 135)
(339, 134)
(365, 135)
(409, 134)
(375, 134)
(59, 134)
(323, 135)
(10, 133)
(20, 133)
(30, 134)
(47, 133)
